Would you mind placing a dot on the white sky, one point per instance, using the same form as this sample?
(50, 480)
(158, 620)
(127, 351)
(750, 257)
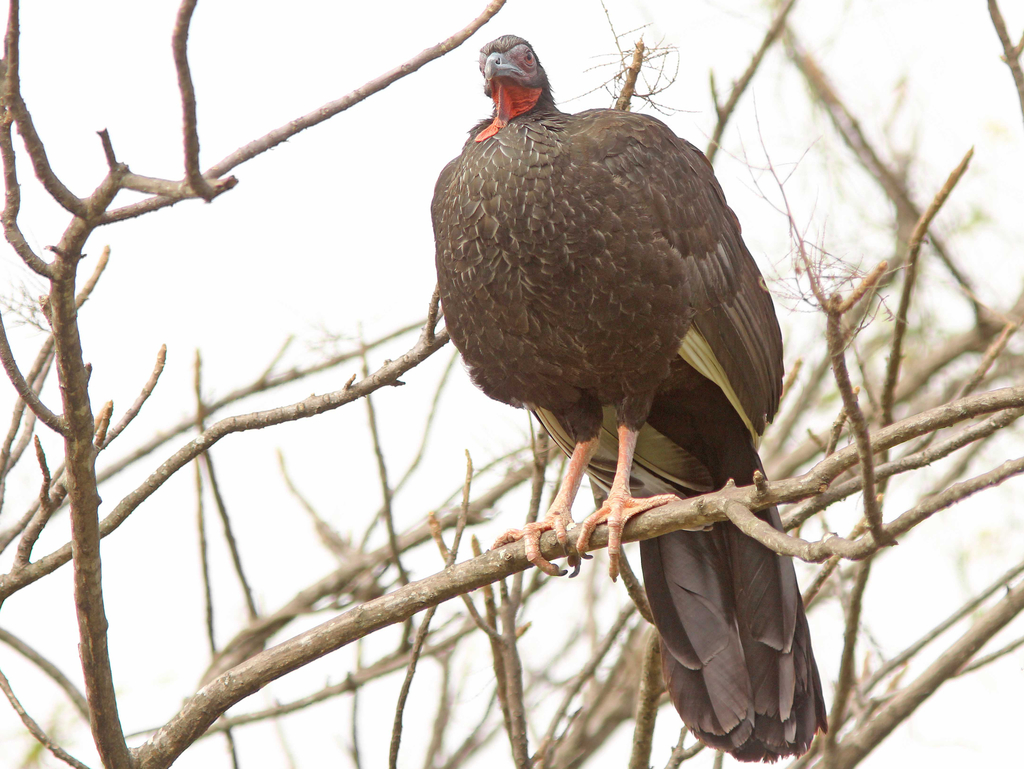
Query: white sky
(332, 230)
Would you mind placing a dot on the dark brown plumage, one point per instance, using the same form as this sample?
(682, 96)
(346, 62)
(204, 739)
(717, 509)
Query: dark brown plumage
(591, 271)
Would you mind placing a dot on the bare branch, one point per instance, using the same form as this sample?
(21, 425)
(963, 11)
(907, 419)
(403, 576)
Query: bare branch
(907, 212)
(920, 458)
(651, 687)
(421, 633)
(634, 589)
(845, 685)
(36, 377)
(35, 729)
(25, 392)
(329, 110)
(622, 103)
(970, 606)
(724, 112)
(46, 508)
(352, 683)
(382, 474)
(51, 670)
(858, 424)
(1011, 53)
(682, 753)
(147, 390)
(791, 375)
(204, 561)
(266, 381)
(861, 741)
(586, 673)
(19, 113)
(988, 659)
(179, 46)
(696, 512)
(892, 370)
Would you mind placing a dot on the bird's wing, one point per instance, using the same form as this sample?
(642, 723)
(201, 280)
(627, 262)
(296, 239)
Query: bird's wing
(739, 344)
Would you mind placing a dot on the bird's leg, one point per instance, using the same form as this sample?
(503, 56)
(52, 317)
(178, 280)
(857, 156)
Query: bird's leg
(620, 505)
(559, 514)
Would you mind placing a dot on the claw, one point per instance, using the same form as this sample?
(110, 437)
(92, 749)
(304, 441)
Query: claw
(616, 510)
(556, 520)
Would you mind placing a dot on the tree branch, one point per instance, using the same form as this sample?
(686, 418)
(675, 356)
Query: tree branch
(723, 113)
(892, 370)
(859, 743)
(179, 46)
(25, 392)
(329, 110)
(1011, 53)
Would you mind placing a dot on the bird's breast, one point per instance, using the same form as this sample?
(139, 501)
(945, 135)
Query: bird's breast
(548, 270)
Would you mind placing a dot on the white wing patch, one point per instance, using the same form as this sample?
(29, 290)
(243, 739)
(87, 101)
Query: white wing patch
(696, 351)
(657, 463)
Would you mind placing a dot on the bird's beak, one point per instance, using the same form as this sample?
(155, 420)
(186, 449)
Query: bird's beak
(497, 65)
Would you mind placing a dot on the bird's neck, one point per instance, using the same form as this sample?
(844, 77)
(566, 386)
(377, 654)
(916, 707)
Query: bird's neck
(510, 100)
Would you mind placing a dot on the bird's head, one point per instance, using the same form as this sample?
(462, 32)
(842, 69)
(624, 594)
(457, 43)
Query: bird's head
(513, 78)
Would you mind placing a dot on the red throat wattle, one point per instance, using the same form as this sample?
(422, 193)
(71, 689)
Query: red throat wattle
(511, 100)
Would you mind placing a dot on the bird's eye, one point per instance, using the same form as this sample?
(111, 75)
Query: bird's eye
(529, 58)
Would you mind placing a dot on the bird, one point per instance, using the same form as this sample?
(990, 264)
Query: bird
(591, 271)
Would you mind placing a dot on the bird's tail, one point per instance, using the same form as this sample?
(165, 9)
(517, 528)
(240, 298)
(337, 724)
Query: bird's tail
(735, 646)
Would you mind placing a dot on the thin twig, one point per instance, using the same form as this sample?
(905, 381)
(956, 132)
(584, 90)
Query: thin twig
(263, 383)
(517, 735)
(353, 683)
(204, 561)
(988, 659)
(845, 685)
(1011, 53)
(856, 745)
(858, 424)
(12, 190)
(907, 212)
(629, 86)
(467, 599)
(573, 687)
(966, 609)
(330, 538)
(723, 113)
(892, 370)
(222, 510)
(36, 377)
(541, 444)
(993, 352)
(136, 407)
(498, 660)
(179, 46)
(791, 375)
(55, 674)
(919, 458)
(382, 474)
(46, 508)
(421, 633)
(634, 589)
(25, 392)
(34, 729)
(651, 687)
(681, 753)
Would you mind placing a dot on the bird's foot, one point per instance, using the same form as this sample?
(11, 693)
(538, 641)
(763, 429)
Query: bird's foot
(558, 521)
(615, 512)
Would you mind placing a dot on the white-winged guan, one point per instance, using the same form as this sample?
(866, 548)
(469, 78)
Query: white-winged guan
(590, 270)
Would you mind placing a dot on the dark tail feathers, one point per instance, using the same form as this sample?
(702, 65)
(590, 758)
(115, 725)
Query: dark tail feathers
(735, 646)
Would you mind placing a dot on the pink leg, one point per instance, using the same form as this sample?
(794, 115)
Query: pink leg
(620, 505)
(559, 514)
